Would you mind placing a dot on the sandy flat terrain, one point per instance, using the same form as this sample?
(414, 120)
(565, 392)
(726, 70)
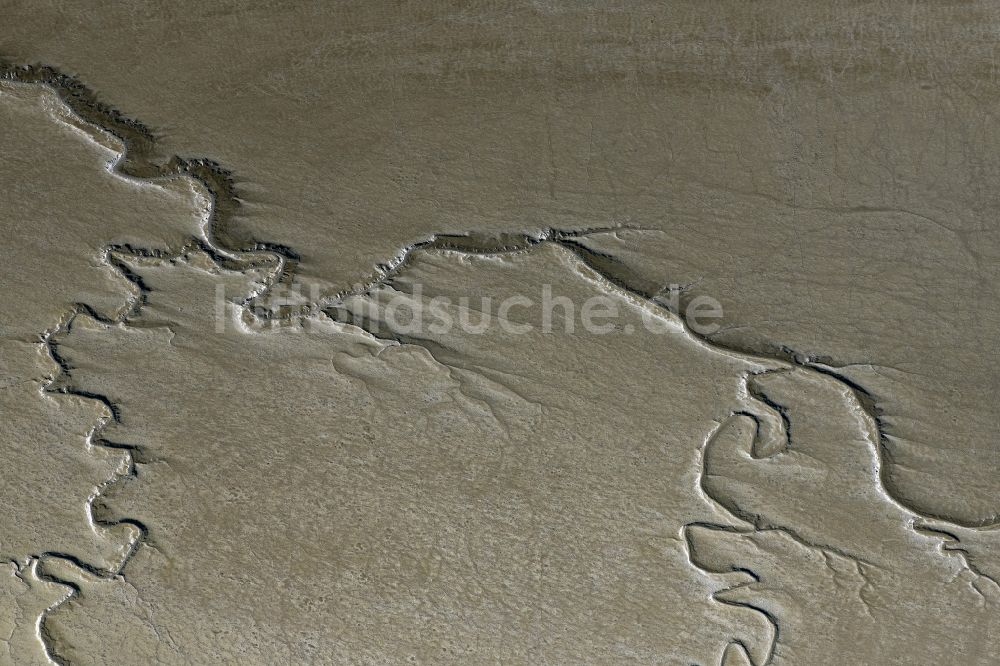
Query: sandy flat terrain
(226, 445)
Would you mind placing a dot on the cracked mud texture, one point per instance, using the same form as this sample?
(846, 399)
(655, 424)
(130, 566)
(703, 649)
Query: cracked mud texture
(815, 483)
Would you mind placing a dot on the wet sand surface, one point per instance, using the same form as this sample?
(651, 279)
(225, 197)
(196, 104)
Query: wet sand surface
(203, 469)
(62, 211)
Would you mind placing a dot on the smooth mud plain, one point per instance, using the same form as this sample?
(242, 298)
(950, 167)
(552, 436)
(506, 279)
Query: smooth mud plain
(528, 332)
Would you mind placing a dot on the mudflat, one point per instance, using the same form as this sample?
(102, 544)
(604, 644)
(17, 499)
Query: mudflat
(499, 332)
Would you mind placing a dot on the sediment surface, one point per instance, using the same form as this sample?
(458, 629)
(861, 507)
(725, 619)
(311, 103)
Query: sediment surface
(224, 444)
